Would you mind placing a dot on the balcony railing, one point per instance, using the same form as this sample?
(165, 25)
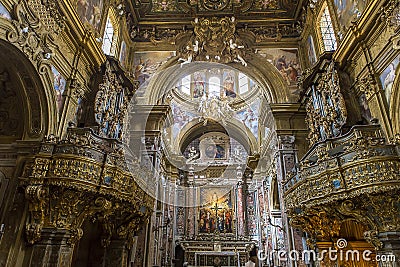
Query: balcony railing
(340, 168)
(87, 162)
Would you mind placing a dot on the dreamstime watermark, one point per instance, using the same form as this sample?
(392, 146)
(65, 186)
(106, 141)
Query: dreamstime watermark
(333, 254)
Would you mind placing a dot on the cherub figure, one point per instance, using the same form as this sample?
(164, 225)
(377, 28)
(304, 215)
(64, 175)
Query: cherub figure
(192, 51)
(233, 46)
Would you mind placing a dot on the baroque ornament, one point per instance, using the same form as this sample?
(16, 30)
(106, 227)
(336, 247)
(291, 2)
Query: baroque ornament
(111, 104)
(35, 28)
(326, 109)
(71, 181)
(215, 108)
(214, 40)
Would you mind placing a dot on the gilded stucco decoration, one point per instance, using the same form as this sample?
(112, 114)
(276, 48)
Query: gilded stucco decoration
(80, 177)
(35, 34)
(111, 104)
(214, 40)
(352, 177)
(367, 85)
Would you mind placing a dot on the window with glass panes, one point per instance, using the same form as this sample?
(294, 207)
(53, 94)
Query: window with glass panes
(108, 37)
(327, 32)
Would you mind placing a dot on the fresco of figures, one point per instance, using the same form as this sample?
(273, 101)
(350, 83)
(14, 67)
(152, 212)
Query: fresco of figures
(349, 10)
(181, 118)
(249, 116)
(286, 61)
(123, 54)
(218, 83)
(387, 78)
(90, 12)
(59, 86)
(229, 84)
(147, 63)
(4, 12)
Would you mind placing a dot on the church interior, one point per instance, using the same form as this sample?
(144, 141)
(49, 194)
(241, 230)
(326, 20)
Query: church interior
(199, 133)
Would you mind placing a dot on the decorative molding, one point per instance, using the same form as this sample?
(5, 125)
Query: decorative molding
(111, 104)
(366, 85)
(214, 40)
(33, 34)
(325, 107)
(82, 176)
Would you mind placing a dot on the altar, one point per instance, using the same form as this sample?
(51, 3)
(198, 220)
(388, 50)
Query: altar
(221, 253)
(222, 259)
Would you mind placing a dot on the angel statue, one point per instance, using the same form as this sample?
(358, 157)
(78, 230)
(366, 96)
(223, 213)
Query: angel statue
(191, 52)
(233, 46)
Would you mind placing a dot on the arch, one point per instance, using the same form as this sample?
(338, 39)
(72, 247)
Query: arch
(35, 82)
(195, 129)
(35, 91)
(271, 83)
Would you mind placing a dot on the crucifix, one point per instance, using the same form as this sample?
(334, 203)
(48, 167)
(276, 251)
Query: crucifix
(216, 208)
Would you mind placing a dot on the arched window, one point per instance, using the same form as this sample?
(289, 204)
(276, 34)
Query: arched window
(185, 88)
(327, 32)
(110, 35)
(243, 83)
(214, 86)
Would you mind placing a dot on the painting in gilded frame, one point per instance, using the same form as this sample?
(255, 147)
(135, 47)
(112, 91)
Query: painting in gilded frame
(123, 54)
(59, 86)
(387, 78)
(215, 212)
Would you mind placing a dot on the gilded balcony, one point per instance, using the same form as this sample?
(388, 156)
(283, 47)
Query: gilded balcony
(88, 162)
(85, 176)
(343, 168)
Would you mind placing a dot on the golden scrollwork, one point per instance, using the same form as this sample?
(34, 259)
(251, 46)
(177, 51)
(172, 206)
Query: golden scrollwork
(326, 108)
(213, 39)
(70, 181)
(352, 165)
(321, 223)
(32, 35)
(352, 177)
(367, 85)
(111, 104)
